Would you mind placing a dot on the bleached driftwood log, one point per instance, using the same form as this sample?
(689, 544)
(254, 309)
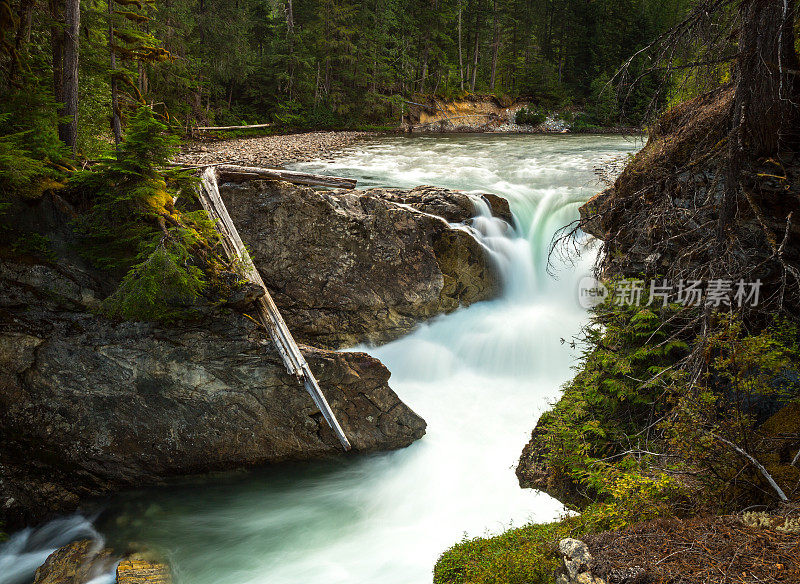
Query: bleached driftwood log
(298, 178)
(270, 317)
(226, 128)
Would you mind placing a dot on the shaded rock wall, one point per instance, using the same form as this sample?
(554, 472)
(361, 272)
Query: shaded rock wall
(88, 406)
(347, 267)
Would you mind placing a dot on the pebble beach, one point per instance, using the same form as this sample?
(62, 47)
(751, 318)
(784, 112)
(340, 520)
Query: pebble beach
(270, 151)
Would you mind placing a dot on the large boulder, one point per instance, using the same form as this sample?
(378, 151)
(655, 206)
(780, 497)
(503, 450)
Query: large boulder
(79, 562)
(88, 406)
(349, 266)
(85, 561)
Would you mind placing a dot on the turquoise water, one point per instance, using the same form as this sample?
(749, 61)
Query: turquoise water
(480, 377)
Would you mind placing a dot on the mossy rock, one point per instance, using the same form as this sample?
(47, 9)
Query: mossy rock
(785, 423)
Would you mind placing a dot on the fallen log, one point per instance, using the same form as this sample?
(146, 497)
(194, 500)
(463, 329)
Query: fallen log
(298, 178)
(269, 315)
(226, 128)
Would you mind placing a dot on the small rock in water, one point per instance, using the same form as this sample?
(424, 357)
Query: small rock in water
(138, 570)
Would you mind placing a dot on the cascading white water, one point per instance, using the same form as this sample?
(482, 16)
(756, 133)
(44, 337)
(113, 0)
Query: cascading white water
(480, 377)
(26, 550)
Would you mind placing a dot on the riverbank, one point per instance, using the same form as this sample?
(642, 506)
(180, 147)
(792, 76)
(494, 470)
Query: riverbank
(275, 151)
(684, 412)
(271, 151)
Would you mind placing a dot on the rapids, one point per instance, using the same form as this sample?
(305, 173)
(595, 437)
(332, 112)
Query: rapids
(480, 377)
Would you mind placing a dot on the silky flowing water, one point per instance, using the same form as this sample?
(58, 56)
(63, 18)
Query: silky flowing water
(480, 377)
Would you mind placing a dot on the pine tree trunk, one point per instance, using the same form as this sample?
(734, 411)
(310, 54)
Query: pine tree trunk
(57, 46)
(23, 35)
(460, 53)
(495, 45)
(116, 124)
(290, 46)
(475, 54)
(765, 76)
(68, 130)
(764, 113)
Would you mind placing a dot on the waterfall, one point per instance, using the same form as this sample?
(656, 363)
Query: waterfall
(479, 376)
(26, 550)
(507, 247)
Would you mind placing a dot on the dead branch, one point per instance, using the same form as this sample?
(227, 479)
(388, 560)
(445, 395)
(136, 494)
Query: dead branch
(781, 495)
(226, 128)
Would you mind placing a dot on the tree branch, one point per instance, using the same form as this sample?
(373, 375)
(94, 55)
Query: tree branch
(781, 495)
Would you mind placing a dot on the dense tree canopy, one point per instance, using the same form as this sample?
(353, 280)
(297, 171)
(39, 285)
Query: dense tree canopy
(316, 62)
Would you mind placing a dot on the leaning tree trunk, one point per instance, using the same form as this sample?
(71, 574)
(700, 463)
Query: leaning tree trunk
(68, 130)
(764, 113)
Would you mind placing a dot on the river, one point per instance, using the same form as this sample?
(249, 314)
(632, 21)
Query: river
(480, 377)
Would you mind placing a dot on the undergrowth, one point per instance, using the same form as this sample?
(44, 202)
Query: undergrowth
(526, 555)
(530, 116)
(32, 159)
(131, 227)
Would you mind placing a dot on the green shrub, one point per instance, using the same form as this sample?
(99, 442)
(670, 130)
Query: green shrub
(20, 174)
(29, 163)
(626, 366)
(751, 378)
(568, 117)
(633, 413)
(584, 124)
(133, 229)
(34, 244)
(526, 555)
(603, 107)
(163, 287)
(530, 116)
(128, 195)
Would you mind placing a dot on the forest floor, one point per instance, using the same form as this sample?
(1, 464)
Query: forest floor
(269, 151)
(701, 550)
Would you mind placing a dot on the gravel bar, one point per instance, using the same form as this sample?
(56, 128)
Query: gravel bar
(270, 151)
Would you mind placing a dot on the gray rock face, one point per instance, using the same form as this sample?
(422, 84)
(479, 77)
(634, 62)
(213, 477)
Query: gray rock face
(347, 267)
(454, 206)
(576, 567)
(576, 556)
(88, 406)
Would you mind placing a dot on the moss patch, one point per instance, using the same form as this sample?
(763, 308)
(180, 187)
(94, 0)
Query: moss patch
(527, 555)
